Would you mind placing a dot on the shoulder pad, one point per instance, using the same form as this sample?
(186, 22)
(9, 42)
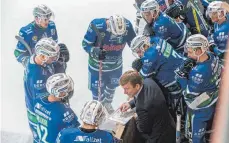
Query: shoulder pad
(52, 24)
(100, 23)
(26, 30)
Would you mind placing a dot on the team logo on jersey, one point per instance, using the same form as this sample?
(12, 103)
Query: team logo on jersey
(53, 31)
(34, 38)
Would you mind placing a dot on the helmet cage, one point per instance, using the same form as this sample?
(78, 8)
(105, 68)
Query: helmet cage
(117, 25)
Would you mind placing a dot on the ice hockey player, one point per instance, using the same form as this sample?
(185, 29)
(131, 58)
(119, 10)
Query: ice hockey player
(39, 68)
(199, 77)
(41, 27)
(163, 26)
(52, 111)
(218, 14)
(116, 31)
(188, 12)
(140, 23)
(157, 59)
(92, 115)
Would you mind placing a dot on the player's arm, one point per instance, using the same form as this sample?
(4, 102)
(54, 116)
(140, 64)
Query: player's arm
(36, 83)
(130, 33)
(149, 64)
(89, 39)
(182, 73)
(54, 31)
(21, 53)
(61, 137)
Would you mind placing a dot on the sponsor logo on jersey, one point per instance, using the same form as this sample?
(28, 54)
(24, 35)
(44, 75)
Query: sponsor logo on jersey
(113, 47)
(197, 78)
(114, 81)
(200, 132)
(39, 84)
(162, 29)
(43, 109)
(34, 38)
(53, 31)
(68, 117)
(96, 84)
(88, 139)
(222, 36)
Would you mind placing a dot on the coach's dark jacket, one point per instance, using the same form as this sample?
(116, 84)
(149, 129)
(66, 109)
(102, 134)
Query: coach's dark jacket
(154, 121)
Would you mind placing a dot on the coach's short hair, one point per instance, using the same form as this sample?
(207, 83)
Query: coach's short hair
(131, 76)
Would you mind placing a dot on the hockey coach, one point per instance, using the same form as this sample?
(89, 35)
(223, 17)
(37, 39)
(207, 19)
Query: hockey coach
(154, 122)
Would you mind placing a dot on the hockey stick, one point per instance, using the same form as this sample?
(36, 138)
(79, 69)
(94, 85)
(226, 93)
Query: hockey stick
(99, 42)
(178, 116)
(20, 39)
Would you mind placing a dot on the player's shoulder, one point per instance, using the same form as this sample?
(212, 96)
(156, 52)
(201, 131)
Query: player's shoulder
(51, 24)
(67, 131)
(151, 52)
(100, 23)
(104, 133)
(32, 66)
(205, 68)
(162, 20)
(27, 29)
(128, 23)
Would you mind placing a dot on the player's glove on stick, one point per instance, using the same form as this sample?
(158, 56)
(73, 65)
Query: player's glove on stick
(137, 64)
(98, 53)
(183, 70)
(64, 53)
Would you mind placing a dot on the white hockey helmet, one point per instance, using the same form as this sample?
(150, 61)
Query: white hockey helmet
(47, 47)
(215, 8)
(197, 41)
(151, 6)
(43, 12)
(137, 44)
(117, 24)
(60, 85)
(93, 113)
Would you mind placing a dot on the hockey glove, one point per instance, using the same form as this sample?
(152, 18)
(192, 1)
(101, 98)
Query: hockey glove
(137, 64)
(148, 30)
(98, 53)
(174, 10)
(183, 70)
(64, 53)
(25, 61)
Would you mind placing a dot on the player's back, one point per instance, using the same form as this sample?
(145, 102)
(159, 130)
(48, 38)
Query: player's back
(168, 29)
(35, 77)
(163, 60)
(77, 135)
(52, 117)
